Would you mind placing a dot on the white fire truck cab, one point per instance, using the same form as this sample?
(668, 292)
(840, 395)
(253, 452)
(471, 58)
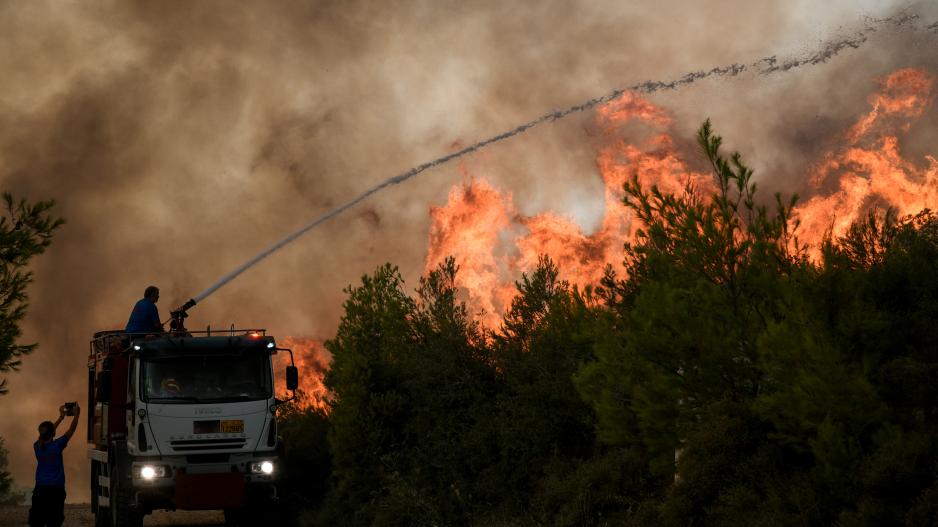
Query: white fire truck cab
(183, 421)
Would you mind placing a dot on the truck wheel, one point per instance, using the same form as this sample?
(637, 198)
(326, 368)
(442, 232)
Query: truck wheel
(102, 518)
(123, 512)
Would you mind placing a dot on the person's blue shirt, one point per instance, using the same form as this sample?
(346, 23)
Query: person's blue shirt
(144, 318)
(50, 471)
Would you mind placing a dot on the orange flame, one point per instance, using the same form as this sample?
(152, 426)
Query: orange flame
(869, 170)
(312, 360)
(469, 225)
(476, 224)
(905, 94)
(479, 225)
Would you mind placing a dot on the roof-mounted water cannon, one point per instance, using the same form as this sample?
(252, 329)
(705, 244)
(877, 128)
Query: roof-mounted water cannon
(178, 322)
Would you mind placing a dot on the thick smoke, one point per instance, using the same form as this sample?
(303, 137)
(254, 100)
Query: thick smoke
(765, 66)
(180, 138)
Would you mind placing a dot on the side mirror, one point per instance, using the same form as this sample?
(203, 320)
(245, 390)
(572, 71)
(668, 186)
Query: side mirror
(103, 393)
(293, 378)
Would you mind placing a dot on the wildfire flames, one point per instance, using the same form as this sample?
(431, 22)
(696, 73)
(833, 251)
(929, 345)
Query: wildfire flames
(493, 244)
(312, 360)
(869, 171)
(473, 224)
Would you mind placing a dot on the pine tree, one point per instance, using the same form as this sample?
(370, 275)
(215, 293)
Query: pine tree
(25, 231)
(8, 495)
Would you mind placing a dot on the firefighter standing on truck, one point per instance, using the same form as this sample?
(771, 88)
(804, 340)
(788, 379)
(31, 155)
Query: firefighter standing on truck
(48, 507)
(145, 317)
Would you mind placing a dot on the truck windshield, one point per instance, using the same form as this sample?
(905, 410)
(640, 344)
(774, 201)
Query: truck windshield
(205, 378)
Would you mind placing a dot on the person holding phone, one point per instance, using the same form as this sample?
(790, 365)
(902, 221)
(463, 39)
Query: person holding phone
(48, 506)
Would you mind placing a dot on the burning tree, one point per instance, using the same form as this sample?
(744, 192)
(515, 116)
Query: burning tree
(706, 356)
(764, 386)
(726, 377)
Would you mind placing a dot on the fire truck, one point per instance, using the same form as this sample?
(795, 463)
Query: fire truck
(183, 420)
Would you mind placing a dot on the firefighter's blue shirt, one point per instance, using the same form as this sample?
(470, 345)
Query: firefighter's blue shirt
(49, 467)
(144, 318)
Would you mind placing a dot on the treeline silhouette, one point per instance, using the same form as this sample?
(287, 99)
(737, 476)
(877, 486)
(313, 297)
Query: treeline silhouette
(728, 379)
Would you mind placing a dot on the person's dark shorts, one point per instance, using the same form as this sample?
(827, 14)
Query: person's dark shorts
(48, 507)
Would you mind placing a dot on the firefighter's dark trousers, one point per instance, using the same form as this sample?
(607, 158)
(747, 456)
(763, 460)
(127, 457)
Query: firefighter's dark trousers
(48, 508)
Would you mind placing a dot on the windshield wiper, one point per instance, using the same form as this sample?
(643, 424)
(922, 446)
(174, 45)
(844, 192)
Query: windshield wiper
(232, 398)
(183, 399)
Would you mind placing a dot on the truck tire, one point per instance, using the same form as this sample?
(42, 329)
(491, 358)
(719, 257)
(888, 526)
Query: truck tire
(102, 518)
(123, 512)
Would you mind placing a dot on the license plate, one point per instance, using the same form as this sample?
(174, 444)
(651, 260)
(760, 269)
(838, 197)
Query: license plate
(233, 426)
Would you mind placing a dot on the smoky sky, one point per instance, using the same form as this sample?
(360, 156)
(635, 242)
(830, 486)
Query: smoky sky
(180, 138)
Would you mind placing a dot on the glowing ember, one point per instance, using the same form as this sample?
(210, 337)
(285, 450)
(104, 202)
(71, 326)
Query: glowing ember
(312, 360)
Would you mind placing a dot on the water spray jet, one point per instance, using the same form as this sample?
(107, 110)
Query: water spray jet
(764, 66)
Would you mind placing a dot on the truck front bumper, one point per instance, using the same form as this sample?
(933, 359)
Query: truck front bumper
(170, 483)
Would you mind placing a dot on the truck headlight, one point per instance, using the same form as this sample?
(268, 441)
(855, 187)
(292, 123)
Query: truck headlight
(262, 467)
(149, 472)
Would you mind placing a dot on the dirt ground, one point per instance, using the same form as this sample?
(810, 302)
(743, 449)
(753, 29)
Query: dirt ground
(80, 516)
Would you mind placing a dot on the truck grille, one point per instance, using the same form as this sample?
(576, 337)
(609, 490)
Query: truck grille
(189, 445)
(207, 458)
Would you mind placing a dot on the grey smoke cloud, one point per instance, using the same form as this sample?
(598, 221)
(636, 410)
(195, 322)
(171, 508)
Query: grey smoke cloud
(764, 66)
(180, 138)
